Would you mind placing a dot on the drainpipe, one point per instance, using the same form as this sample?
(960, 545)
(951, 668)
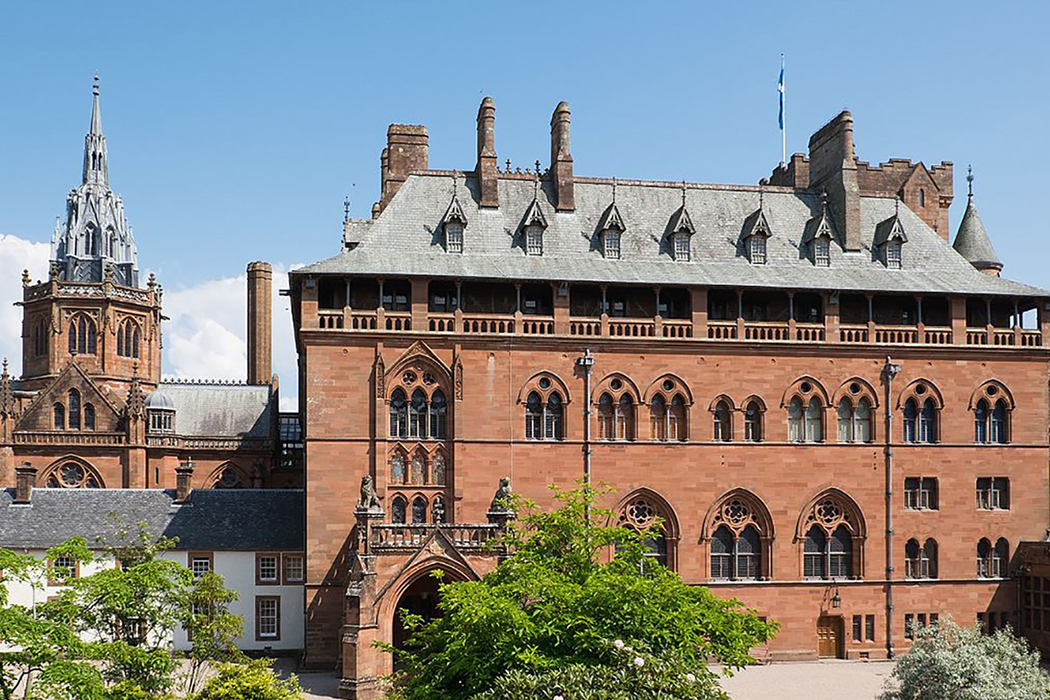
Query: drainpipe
(585, 363)
(889, 371)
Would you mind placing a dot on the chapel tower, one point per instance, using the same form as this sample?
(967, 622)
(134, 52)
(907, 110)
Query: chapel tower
(91, 308)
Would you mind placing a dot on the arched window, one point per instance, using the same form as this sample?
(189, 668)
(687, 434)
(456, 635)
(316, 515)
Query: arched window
(72, 475)
(438, 414)
(928, 422)
(723, 428)
(845, 412)
(606, 426)
(722, 544)
(984, 559)
(553, 423)
(920, 562)
(676, 420)
(814, 421)
(624, 418)
(928, 559)
(398, 510)
(417, 415)
(840, 554)
(1000, 424)
(419, 468)
(743, 524)
(128, 339)
(753, 422)
(642, 513)
(229, 478)
(862, 421)
(40, 338)
(748, 552)
(911, 413)
(397, 469)
(911, 559)
(795, 433)
(82, 336)
(398, 414)
(419, 510)
(89, 416)
(533, 417)
(980, 422)
(1000, 559)
(658, 418)
(438, 472)
(74, 409)
(544, 421)
(60, 417)
(814, 562)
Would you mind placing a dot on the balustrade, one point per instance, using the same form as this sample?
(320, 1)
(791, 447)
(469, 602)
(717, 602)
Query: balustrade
(673, 328)
(766, 330)
(397, 537)
(810, 332)
(537, 325)
(487, 324)
(634, 328)
(896, 335)
(853, 333)
(721, 330)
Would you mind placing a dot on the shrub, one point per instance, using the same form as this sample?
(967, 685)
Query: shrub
(254, 680)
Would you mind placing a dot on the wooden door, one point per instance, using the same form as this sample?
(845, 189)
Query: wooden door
(829, 637)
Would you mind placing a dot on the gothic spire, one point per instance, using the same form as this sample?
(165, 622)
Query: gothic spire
(96, 159)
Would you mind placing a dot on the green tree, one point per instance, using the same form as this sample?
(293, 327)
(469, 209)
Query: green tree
(949, 662)
(212, 628)
(254, 680)
(557, 604)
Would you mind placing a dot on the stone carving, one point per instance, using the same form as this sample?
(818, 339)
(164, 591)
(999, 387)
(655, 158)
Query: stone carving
(501, 502)
(369, 499)
(380, 373)
(457, 378)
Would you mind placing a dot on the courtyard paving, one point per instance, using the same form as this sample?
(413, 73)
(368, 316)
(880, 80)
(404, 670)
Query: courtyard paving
(831, 680)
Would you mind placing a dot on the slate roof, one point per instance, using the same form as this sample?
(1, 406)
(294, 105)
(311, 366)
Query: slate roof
(213, 519)
(406, 240)
(972, 241)
(221, 410)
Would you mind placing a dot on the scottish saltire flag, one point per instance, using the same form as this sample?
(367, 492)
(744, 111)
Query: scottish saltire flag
(780, 89)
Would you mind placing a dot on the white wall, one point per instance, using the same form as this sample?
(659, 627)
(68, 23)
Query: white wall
(238, 571)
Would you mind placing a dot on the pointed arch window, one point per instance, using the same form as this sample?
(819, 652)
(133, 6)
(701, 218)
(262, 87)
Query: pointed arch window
(417, 415)
(833, 540)
(753, 422)
(623, 417)
(82, 335)
(438, 415)
(854, 422)
(397, 469)
(72, 475)
(814, 421)
(795, 432)
(544, 419)
(641, 513)
(59, 417)
(928, 422)
(439, 470)
(722, 544)
(73, 401)
(398, 510)
(992, 561)
(723, 422)
(980, 422)
(1000, 424)
(814, 561)
(419, 468)
(920, 562)
(991, 425)
(89, 416)
(606, 427)
(658, 417)
(398, 414)
(419, 510)
(40, 338)
(128, 339)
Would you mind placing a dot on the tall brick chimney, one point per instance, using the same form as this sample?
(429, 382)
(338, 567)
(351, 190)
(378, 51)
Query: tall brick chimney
(561, 159)
(833, 167)
(260, 279)
(486, 167)
(183, 482)
(25, 482)
(405, 153)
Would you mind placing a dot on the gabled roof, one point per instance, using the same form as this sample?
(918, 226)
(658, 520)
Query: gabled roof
(972, 241)
(682, 222)
(891, 228)
(755, 224)
(611, 219)
(81, 379)
(819, 227)
(401, 242)
(212, 519)
(534, 215)
(454, 212)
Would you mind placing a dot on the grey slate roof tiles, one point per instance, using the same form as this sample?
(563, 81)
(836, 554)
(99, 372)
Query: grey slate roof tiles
(212, 519)
(972, 241)
(401, 240)
(220, 410)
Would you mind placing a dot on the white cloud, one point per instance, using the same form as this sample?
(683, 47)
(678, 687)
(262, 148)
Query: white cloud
(205, 338)
(17, 254)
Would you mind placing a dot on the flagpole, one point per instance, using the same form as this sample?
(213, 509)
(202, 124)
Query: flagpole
(783, 120)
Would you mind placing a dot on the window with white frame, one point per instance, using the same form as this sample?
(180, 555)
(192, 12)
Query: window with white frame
(268, 617)
(822, 252)
(454, 237)
(293, 568)
(611, 244)
(757, 249)
(893, 255)
(534, 240)
(681, 246)
(200, 564)
(266, 568)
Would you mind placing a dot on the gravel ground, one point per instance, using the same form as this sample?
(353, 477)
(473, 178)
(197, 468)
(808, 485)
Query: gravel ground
(828, 680)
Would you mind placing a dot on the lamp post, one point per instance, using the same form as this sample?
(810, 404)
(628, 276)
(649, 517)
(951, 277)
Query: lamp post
(585, 363)
(889, 371)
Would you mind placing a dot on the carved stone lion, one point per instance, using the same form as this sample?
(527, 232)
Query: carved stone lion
(501, 502)
(369, 499)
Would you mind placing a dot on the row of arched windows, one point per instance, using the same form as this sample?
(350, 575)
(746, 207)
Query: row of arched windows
(422, 417)
(128, 339)
(421, 469)
(401, 514)
(83, 338)
(805, 407)
(41, 337)
(73, 415)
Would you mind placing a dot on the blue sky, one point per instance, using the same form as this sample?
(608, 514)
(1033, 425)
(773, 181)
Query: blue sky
(236, 129)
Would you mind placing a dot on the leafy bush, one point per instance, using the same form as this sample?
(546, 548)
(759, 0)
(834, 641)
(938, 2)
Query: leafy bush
(550, 610)
(947, 661)
(254, 680)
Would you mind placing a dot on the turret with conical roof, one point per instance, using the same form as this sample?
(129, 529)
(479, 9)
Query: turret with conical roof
(972, 241)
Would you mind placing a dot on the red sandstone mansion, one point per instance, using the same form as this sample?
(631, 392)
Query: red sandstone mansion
(838, 414)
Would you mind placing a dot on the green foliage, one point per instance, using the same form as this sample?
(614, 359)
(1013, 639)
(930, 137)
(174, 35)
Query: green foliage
(556, 604)
(949, 661)
(254, 680)
(213, 629)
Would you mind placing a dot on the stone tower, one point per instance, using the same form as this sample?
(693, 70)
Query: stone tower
(91, 307)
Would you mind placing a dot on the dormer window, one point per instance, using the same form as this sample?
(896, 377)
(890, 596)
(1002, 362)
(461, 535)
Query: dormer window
(454, 237)
(681, 246)
(757, 250)
(611, 244)
(822, 251)
(534, 240)
(893, 255)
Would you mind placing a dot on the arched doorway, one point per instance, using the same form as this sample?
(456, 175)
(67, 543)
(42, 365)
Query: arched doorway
(420, 598)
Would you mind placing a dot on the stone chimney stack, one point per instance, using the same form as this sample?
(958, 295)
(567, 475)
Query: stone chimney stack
(833, 168)
(486, 167)
(260, 341)
(561, 159)
(405, 153)
(25, 482)
(183, 482)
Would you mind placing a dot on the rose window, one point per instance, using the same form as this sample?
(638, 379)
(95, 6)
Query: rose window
(72, 476)
(828, 511)
(736, 512)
